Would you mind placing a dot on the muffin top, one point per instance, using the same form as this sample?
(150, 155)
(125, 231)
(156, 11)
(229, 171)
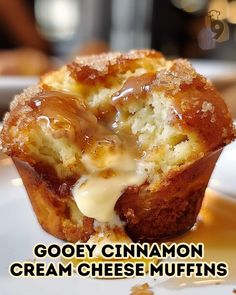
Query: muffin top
(101, 113)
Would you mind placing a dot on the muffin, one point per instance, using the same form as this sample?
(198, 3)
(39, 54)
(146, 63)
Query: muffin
(23, 62)
(120, 141)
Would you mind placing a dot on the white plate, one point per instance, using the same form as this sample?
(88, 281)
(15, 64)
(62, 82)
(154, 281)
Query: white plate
(11, 85)
(219, 72)
(19, 232)
(224, 176)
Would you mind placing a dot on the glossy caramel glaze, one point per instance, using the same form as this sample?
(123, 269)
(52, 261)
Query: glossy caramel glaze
(66, 118)
(134, 88)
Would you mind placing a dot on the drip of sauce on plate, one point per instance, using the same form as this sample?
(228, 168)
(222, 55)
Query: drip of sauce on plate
(216, 229)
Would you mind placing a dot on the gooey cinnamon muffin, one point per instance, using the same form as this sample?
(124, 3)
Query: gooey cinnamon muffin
(121, 142)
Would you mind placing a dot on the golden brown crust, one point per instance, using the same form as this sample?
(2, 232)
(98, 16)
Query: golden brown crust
(53, 213)
(197, 104)
(19, 108)
(72, 116)
(173, 208)
(97, 68)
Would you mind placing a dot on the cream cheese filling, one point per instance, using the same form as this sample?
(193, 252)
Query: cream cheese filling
(96, 193)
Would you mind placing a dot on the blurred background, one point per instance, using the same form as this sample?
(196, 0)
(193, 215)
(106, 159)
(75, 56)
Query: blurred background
(37, 36)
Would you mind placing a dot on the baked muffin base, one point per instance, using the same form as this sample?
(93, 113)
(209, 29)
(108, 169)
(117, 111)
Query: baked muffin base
(170, 211)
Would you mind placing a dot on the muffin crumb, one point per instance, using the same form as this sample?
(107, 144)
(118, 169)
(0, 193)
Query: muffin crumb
(143, 289)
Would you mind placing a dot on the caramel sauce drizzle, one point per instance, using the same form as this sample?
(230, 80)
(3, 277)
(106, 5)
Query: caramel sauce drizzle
(69, 118)
(216, 229)
(134, 87)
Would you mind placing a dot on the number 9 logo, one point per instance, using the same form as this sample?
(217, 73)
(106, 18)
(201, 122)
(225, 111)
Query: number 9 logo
(217, 26)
